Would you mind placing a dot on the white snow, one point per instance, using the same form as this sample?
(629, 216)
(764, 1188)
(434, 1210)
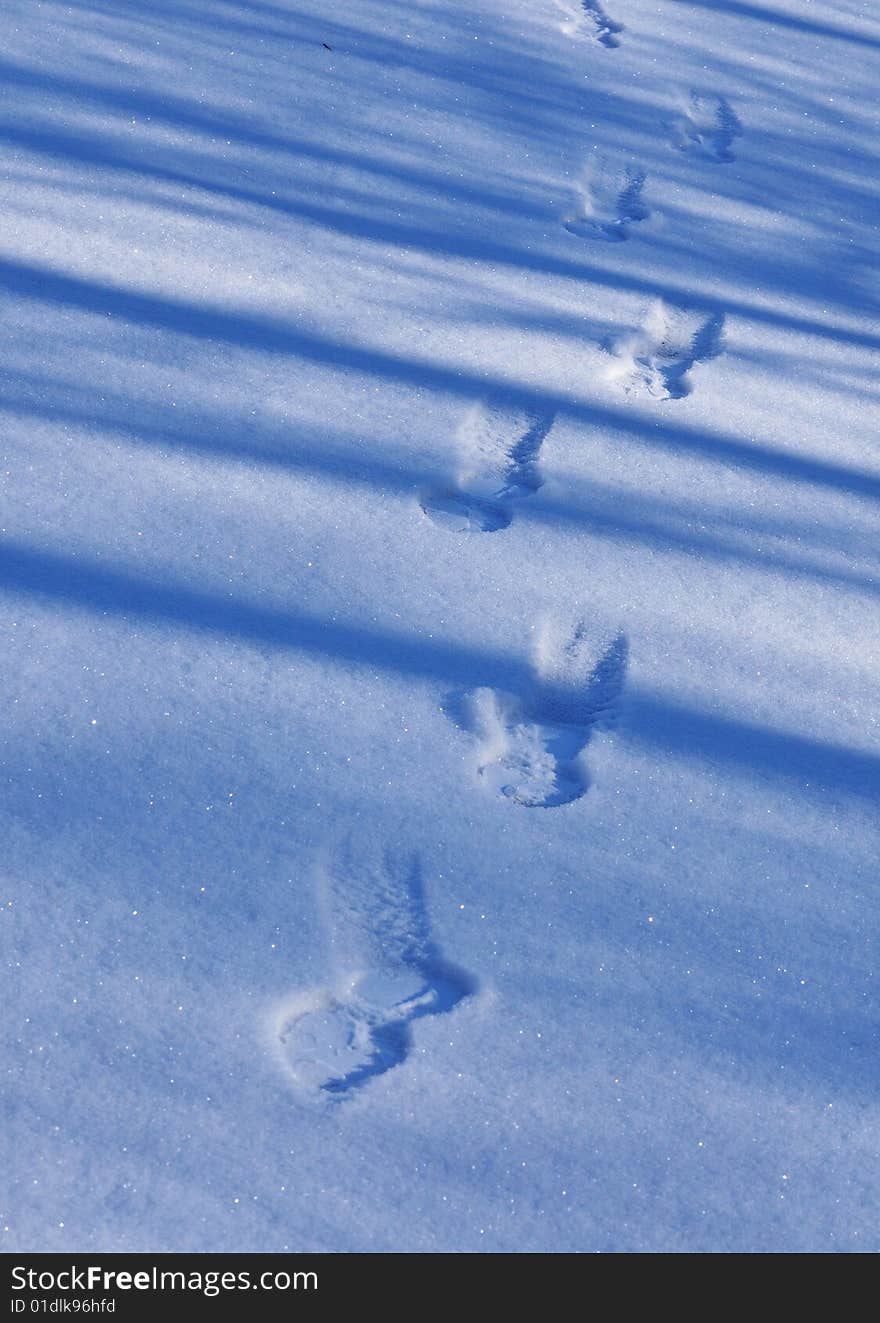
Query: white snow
(439, 574)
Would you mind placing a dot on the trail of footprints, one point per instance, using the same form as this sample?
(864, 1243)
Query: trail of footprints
(531, 745)
(334, 1039)
(389, 972)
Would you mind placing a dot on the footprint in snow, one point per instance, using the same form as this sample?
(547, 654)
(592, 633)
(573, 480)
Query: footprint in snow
(608, 205)
(587, 18)
(500, 443)
(531, 745)
(660, 354)
(707, 127)
(334, 1039)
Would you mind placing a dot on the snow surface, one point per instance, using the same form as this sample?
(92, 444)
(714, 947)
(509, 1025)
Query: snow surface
(440, 600)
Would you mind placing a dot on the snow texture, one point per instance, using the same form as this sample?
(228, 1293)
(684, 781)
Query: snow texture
(439, 583)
